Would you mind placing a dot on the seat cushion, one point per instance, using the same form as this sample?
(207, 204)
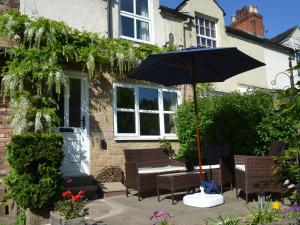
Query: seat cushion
(240, 167)
(164, 169)
(208, 167)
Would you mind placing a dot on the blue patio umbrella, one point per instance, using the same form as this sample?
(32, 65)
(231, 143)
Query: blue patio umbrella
(194, 66)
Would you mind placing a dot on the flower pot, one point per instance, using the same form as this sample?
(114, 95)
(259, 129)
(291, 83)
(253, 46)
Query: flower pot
(56, 219)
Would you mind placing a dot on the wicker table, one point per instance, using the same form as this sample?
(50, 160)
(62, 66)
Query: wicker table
(177, 181)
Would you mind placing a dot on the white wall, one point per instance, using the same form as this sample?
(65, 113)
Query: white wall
(277, 63)
(87, 15)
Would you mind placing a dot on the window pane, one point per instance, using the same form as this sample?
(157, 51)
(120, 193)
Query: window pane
(203, 42)
(125, 98)
(142, 29)
(142, 8)
(127, 5)
(148, 98)
(125, 122)
(213, 26)
(127, 26)
(202, 30)
(206, 23)
(75, 103)
(202, 22)
(214, 44)
(213, 33)
(149, 124)
(207, 32)
(169, 124)
(209, 44)
(170, 101)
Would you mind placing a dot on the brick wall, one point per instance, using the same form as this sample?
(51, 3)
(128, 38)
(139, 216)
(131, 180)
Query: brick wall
(5, 134)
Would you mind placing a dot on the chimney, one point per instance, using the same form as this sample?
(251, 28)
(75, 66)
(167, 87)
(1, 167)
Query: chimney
(249, 20)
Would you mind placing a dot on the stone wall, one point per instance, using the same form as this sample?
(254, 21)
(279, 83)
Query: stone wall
(101, 128)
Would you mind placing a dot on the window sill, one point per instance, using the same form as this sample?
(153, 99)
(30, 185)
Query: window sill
(126, 138)
(138, 41)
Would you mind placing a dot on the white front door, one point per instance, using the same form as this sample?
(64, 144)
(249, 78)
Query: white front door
(73, 112)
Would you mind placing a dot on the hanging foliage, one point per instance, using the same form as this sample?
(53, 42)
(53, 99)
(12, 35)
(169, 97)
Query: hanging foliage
(34, 72)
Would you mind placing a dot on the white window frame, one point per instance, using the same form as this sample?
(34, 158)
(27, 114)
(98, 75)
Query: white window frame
(136, 17)
(199, 35)
(137, 111)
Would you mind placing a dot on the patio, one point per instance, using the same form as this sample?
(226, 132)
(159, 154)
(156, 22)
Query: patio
(129, 211)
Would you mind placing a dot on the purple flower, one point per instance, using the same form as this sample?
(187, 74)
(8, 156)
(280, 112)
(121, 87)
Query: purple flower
(294, 209)
(68, 180)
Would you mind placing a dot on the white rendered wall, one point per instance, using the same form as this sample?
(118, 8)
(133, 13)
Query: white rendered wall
(87, 15)
(276, 63)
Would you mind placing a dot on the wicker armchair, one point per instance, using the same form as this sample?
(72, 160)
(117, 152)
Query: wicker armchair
(217, 165)
(255, 174)
(143, 165)
(276, 148)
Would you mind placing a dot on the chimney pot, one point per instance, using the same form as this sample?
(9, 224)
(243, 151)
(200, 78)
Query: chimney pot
(249, 20)
(233, 19)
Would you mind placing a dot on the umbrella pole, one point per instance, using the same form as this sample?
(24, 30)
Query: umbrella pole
(197, 127)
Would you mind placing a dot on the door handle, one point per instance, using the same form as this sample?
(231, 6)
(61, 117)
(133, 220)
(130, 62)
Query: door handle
(83, 122)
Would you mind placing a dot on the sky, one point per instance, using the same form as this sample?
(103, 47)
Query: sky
(279, 15)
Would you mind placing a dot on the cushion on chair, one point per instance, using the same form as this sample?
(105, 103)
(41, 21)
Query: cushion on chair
(240, 167)
(208, 167)
(164, 169)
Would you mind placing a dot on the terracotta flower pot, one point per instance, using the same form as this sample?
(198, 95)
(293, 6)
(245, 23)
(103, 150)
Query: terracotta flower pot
(56, 219)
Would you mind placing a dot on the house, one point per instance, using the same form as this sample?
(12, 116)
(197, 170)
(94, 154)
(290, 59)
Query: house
(112, 114)
(291, 39)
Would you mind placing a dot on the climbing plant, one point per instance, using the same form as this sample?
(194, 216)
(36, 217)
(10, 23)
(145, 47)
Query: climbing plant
(40, 50)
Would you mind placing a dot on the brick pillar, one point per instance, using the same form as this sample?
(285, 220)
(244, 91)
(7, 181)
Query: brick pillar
(5, 135)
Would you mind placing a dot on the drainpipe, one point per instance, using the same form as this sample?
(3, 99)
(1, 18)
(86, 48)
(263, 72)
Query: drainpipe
(109, 19)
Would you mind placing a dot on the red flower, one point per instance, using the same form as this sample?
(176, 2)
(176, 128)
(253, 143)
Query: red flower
(78, 197)
(75, 198)
(81, 193)
(66, 194)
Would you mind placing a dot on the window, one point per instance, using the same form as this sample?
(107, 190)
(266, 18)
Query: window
(144, 112)
(298, 60)
(206, 33)
(135, 20)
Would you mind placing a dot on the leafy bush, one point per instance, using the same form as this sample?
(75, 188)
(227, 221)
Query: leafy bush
(34, 175)
(227, 119)
(274, 126)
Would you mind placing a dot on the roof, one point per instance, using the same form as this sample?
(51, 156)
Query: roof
(284, 35)
(185, 1)
(174, 12)
(259, 40)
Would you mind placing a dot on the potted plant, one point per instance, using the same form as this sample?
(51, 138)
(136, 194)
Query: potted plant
(70, 210)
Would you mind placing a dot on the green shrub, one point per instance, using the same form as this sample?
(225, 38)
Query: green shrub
(231, 118)
(274, 126)
(34, 175)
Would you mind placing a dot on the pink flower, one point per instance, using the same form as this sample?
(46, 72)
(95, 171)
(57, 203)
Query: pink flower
(291, 186)
(68, 180)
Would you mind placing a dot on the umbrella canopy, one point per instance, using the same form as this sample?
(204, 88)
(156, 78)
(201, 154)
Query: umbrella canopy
(194, 66)
(209, 65)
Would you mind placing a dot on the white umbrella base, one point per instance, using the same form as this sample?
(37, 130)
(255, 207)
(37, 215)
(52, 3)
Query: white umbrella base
(202, 200)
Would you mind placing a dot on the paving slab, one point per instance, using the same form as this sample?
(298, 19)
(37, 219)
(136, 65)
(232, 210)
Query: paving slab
(130, 211)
